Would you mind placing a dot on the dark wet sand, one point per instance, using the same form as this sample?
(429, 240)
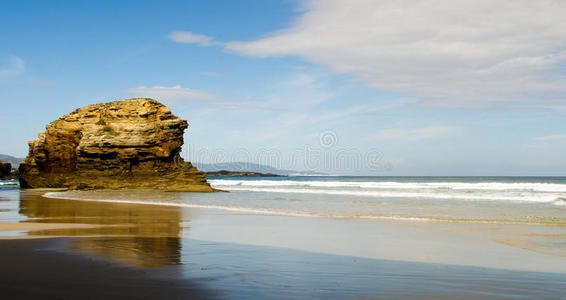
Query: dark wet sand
(33, 269)
(99, 250)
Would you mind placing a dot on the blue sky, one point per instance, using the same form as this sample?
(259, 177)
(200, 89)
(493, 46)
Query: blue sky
(357, 87)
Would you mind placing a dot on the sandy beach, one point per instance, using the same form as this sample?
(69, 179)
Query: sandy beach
(163, 252)
(34, 269)
(286, 149)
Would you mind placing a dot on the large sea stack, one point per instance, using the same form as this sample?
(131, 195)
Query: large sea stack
(132, 143)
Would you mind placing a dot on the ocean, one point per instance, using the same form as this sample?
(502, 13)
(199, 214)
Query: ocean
(319, 237)
(504, 200)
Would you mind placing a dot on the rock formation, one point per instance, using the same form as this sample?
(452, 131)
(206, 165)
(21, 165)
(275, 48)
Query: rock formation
(133, 143)
(5, 170)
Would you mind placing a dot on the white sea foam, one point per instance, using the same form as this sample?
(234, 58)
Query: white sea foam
(524, 197)
(427, 200)
(497, 186)
(534, 192)
(65, 195)
(485, 191)
(281, 212)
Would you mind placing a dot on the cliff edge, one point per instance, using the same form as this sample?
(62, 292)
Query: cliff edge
(133, 143)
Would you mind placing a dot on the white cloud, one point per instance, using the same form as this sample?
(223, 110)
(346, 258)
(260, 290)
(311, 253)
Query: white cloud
(414, 134)
(465, 54)
(299, 92)
(555, 137)
(187, 37)
(16, 66)
(172, 94)
(306, 89)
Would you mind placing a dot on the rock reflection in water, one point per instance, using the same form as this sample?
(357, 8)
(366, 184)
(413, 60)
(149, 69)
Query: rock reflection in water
(140, 235)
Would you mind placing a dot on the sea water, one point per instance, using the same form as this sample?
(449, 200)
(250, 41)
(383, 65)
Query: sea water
(505, 200)
(333, 248)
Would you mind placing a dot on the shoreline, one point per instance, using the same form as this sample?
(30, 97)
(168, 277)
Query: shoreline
(510, 245)
(176, 252)
(260, 211)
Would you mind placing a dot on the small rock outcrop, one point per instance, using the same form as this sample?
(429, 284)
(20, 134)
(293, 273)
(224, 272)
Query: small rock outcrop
(5, 170)
(132, 143)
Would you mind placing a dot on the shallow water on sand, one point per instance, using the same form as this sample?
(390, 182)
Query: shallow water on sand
(453, 199)
(247, 254)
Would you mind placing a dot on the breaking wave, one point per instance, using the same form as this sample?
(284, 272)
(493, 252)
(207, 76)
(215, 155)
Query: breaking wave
(483, 191)
(425, 199)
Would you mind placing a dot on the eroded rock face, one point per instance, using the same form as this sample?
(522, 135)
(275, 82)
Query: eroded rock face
(133, 143)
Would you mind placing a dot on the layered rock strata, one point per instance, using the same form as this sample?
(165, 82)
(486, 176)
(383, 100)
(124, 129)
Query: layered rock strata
(132, 143)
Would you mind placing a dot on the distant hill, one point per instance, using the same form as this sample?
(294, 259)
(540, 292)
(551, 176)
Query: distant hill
(15, 161)
(225, 173)
(250, 167)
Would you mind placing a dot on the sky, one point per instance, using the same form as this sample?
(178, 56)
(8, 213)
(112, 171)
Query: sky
(385, 88)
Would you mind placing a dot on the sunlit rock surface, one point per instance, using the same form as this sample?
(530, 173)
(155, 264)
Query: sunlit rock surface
(132, 143)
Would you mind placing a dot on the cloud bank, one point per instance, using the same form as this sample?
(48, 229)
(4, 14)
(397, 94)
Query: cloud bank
(462, 54)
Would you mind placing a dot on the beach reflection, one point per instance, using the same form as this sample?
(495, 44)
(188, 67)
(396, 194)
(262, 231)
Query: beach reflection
(140, 235)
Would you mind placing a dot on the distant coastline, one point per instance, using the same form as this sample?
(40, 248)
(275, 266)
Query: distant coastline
(249, 167)
(225, 173)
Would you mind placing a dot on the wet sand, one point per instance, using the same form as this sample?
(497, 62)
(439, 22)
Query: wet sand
(185, 252)
(37, 226)
(56, 268)
(494, 246)
(33, 269)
